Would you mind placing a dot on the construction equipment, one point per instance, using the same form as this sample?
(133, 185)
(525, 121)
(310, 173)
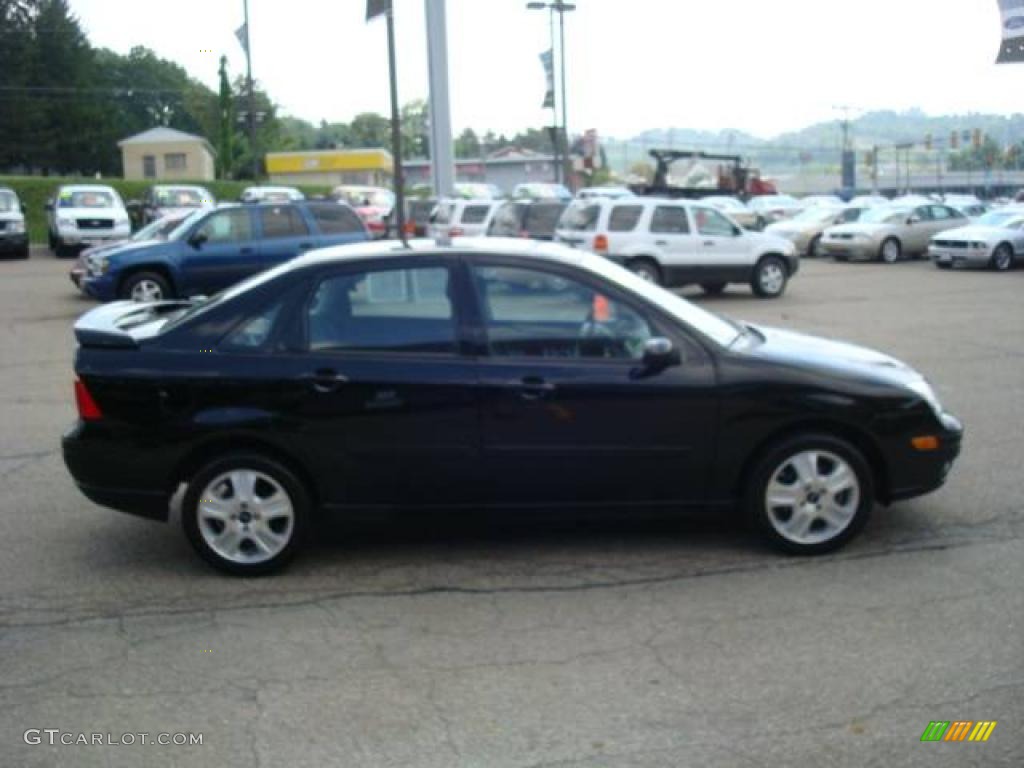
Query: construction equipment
(733, 177)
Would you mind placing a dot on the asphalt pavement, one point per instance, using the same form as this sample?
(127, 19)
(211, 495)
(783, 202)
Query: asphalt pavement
(513, 644)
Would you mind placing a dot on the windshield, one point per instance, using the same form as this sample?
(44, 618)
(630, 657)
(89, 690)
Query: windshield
(1000, 218)
(157, 230)
(816, 215)
(184, 225)
(884, 215)
(580, 217)
(8, 202)
(87, 198)
(181, 197)
(774, 201)
(378, 198)
(718, 329)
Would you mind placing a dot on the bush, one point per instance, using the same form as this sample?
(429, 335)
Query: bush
(34, 191)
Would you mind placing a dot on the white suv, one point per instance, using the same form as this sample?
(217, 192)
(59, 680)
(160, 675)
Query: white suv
(83, 215)
(462, 218)
(680, 242)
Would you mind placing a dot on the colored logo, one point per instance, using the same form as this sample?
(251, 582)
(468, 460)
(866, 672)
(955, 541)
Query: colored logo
(958, 730)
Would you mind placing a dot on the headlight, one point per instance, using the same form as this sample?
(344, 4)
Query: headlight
(924, 389)
(979, 246)
(99, 265)
(63, 221)
(16, 227)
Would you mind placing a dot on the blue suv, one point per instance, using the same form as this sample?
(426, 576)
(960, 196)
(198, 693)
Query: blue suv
(211, 250)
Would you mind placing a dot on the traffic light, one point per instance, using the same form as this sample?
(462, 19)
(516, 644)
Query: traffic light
(954, 140)
(976, 138)
(928, 142)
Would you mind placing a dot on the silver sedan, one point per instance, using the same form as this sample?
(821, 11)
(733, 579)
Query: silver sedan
(889, 233)
(996, 241)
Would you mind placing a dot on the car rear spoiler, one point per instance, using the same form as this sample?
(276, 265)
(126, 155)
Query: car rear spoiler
(112, 326)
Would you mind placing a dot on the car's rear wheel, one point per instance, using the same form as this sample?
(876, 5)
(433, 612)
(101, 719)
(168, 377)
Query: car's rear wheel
(1002, 258)
(245, 514)
(712, 289)
(645, 269)
(810, 494)
(770, 278)
(145, 287)
(891, 251)
(23, 253)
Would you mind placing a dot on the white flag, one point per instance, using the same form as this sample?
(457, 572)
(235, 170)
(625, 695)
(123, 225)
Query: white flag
(242, 33)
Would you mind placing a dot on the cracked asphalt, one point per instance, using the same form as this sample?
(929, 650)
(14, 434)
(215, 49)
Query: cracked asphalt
(512, 644)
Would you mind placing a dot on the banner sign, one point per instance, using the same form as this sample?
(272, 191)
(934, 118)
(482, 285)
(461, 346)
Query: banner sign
(1011, 17)
(242, 33)
(377, 8)
(547, 60)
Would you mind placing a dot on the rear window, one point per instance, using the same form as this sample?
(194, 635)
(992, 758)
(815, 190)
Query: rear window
(475, 214)
(336, 219)
(541, 218)
(624, 218)
(580, 217)
(442, 214)
(506, 220)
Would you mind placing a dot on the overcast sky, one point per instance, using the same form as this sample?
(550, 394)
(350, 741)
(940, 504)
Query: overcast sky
(762, 66)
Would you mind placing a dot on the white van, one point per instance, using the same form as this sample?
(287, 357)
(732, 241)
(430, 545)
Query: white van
(679, 242)
(462, 218)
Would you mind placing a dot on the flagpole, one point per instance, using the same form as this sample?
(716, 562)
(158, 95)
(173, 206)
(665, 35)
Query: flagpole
(252, 97)
(396, 128)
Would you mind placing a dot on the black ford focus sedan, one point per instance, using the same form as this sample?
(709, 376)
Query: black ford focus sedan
(480, 374)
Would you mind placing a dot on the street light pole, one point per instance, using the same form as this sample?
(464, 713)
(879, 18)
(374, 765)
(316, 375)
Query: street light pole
(252, 95)
(562, 156)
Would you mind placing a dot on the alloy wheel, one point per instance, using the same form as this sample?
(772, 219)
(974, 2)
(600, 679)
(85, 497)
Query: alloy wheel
(812, 497)
(245, 516)
(147, 290)
(772, 278)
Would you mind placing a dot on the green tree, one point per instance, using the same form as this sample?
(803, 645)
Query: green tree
(226, 128)
(370, 130)
(467, 144)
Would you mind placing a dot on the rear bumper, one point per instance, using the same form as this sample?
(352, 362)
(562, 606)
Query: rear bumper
(116, 473)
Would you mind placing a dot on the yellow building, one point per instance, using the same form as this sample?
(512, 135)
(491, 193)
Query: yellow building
(164, 154)
(330, 167)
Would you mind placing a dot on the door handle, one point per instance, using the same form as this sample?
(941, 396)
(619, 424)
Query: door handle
(661, 242)
(535, 388)
(326, 380)
(709, 242)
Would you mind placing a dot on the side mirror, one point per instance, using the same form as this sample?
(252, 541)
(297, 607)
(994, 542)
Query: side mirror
(659, 353)
(913, 219)
(196, 239)
(737, 231)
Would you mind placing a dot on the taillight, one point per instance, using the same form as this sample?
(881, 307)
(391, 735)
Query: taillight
(410, 227)
(87, 408)
(456, 232)
(601, 243)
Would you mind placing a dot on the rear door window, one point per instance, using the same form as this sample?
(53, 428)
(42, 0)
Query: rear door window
(624, 218)
(670, 220)
(580, 217)
(282, 221)
(336, 219)
(475, 214)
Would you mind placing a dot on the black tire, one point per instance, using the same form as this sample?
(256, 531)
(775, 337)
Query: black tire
(23, 253)
(257, 463)
(141, 282)
(62, 251)
(1002, 258)
(770, 278)
(50, 241)
(890, 251)
(713, 289)
(812, 247)
(770, 465)
(647, 269)
(942, 265)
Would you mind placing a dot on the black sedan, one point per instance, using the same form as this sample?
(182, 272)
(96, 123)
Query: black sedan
(484, 373)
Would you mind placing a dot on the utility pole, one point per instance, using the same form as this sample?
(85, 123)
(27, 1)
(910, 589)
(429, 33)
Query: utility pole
(396, 128)
(252, 96)
(442, 155)
(562, 8)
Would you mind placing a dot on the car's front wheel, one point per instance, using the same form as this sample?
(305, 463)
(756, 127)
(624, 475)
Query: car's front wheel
(770, 277)
(145, 287)
(810, 494)
(1002, 258)
(245, 514)
(645, 269)
(891, 251)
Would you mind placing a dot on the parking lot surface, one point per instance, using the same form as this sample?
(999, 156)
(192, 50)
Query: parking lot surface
(514, 644)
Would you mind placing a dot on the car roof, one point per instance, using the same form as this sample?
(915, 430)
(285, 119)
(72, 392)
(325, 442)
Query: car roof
(89, 187)
(497, 246)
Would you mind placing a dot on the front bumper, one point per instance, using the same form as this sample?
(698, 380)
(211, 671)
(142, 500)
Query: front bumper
(13, 242)
(916, 473)
(960, 257)
(103, 287)
(87, 239)
(850, 250)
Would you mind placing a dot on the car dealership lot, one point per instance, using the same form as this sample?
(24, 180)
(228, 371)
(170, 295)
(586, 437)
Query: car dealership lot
(590, 644)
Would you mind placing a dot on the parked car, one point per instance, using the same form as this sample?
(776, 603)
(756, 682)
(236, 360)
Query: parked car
(680, 242)
(996, 240)
(83, 215)
(806, 228)
(154, 231)
(738, 211)
(613, 193)
(891, 232)
(163, 200)
(539, 191)
(522, 218)
(211, 250)
(774, 208)
(13, 234)
(417, 215)
(374, 205)
(265, 194)
(458, 217)
(486, 374)
(969, 205)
